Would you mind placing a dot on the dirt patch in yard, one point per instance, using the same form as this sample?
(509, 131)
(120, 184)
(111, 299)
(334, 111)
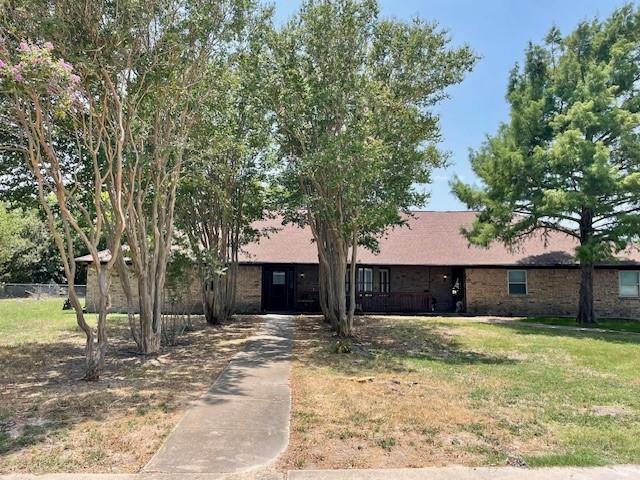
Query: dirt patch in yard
(52, 422)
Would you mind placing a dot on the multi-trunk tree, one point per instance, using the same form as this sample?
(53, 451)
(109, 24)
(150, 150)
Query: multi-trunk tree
(176, 79)
(137, 84)
(223, 189)
(353, 95)
(49, 104)
(569, 158)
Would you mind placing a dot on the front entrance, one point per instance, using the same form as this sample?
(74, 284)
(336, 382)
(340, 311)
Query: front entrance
(277, 288)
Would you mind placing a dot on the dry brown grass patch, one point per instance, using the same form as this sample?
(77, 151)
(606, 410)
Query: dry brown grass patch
(376, 411)
(51, 422)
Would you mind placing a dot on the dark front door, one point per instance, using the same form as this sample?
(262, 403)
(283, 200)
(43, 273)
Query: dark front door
(277, 289)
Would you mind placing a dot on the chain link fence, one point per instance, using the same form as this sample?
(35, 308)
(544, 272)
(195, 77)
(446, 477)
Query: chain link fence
(38, 290)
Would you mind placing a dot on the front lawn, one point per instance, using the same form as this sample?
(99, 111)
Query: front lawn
(435, 391)
(603, 323)
(26, 320)
(52, 422)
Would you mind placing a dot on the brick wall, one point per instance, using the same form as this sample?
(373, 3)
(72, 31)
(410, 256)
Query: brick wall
(550, 292)
(417, 279)
(249, 293)
(187, 293)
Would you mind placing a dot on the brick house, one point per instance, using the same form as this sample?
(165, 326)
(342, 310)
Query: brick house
(426, 266)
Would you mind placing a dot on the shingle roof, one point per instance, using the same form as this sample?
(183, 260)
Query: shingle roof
(104, 255)
(429, 238)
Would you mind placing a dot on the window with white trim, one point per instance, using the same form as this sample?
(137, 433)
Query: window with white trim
(629, 283)
(517, 282)
(365, 279)
(385, 282)
(279, 278)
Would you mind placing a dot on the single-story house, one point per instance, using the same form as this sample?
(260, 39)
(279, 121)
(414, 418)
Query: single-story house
(425, 266)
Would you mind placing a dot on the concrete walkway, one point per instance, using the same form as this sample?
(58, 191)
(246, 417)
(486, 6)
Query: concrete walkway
(618, 472)
(243, 421)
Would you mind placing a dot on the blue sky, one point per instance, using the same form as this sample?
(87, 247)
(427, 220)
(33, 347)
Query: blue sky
(498, 31)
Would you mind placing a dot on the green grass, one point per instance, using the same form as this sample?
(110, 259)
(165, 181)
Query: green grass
(620, 325)
(558, 379)
(29, 320)
(485, 393)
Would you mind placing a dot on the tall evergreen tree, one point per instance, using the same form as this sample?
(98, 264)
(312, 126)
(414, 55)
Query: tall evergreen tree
(569, 158)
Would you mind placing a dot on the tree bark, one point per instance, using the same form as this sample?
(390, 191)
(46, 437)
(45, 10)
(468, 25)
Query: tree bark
(219, 296)
(348, 327)
(586, 312)
(332, 256)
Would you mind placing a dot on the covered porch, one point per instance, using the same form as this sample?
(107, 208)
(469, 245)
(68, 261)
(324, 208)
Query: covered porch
(380, 288)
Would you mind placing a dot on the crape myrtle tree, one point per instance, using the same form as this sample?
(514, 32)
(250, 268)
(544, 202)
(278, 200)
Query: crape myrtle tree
(179, 39)
(47, 101)
(222, 191)
(569, 158)
(353, 96)
(39, 261)
(139, 65)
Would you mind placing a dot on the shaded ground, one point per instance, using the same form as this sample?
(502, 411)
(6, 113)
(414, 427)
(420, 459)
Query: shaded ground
(437, 391)
(51, 422)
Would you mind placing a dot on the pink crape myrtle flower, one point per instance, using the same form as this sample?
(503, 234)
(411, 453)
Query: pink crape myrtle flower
(19, 77)
(24, 46)
(48, 45)
(66, 66)
(74, 79)
(2, 64)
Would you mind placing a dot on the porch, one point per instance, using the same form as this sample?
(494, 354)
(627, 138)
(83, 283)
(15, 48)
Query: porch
(380, 288)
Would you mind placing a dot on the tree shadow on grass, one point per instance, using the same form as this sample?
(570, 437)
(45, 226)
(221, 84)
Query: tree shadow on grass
(384, 345)
(522, 328)
(41, 395)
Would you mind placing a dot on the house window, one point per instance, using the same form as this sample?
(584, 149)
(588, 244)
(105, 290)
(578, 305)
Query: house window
(279, 278)
(384, 280)
(517, 280)
(629, 283)
(365, 279)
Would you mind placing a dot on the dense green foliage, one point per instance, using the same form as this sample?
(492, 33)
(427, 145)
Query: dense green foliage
(352, 96)
(27, 254)
(569, 158)
(223, 187)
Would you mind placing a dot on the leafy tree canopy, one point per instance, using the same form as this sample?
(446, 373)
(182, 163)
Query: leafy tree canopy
(352, 95)
(569, 158)
(27, 253)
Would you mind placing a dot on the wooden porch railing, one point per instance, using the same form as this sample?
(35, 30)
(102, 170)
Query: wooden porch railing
(394, 302)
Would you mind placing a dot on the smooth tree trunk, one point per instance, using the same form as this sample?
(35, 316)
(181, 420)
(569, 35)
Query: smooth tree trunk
(219, 296)
(96, 343)
(352, 284)
(150, 235)
(333, 258)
